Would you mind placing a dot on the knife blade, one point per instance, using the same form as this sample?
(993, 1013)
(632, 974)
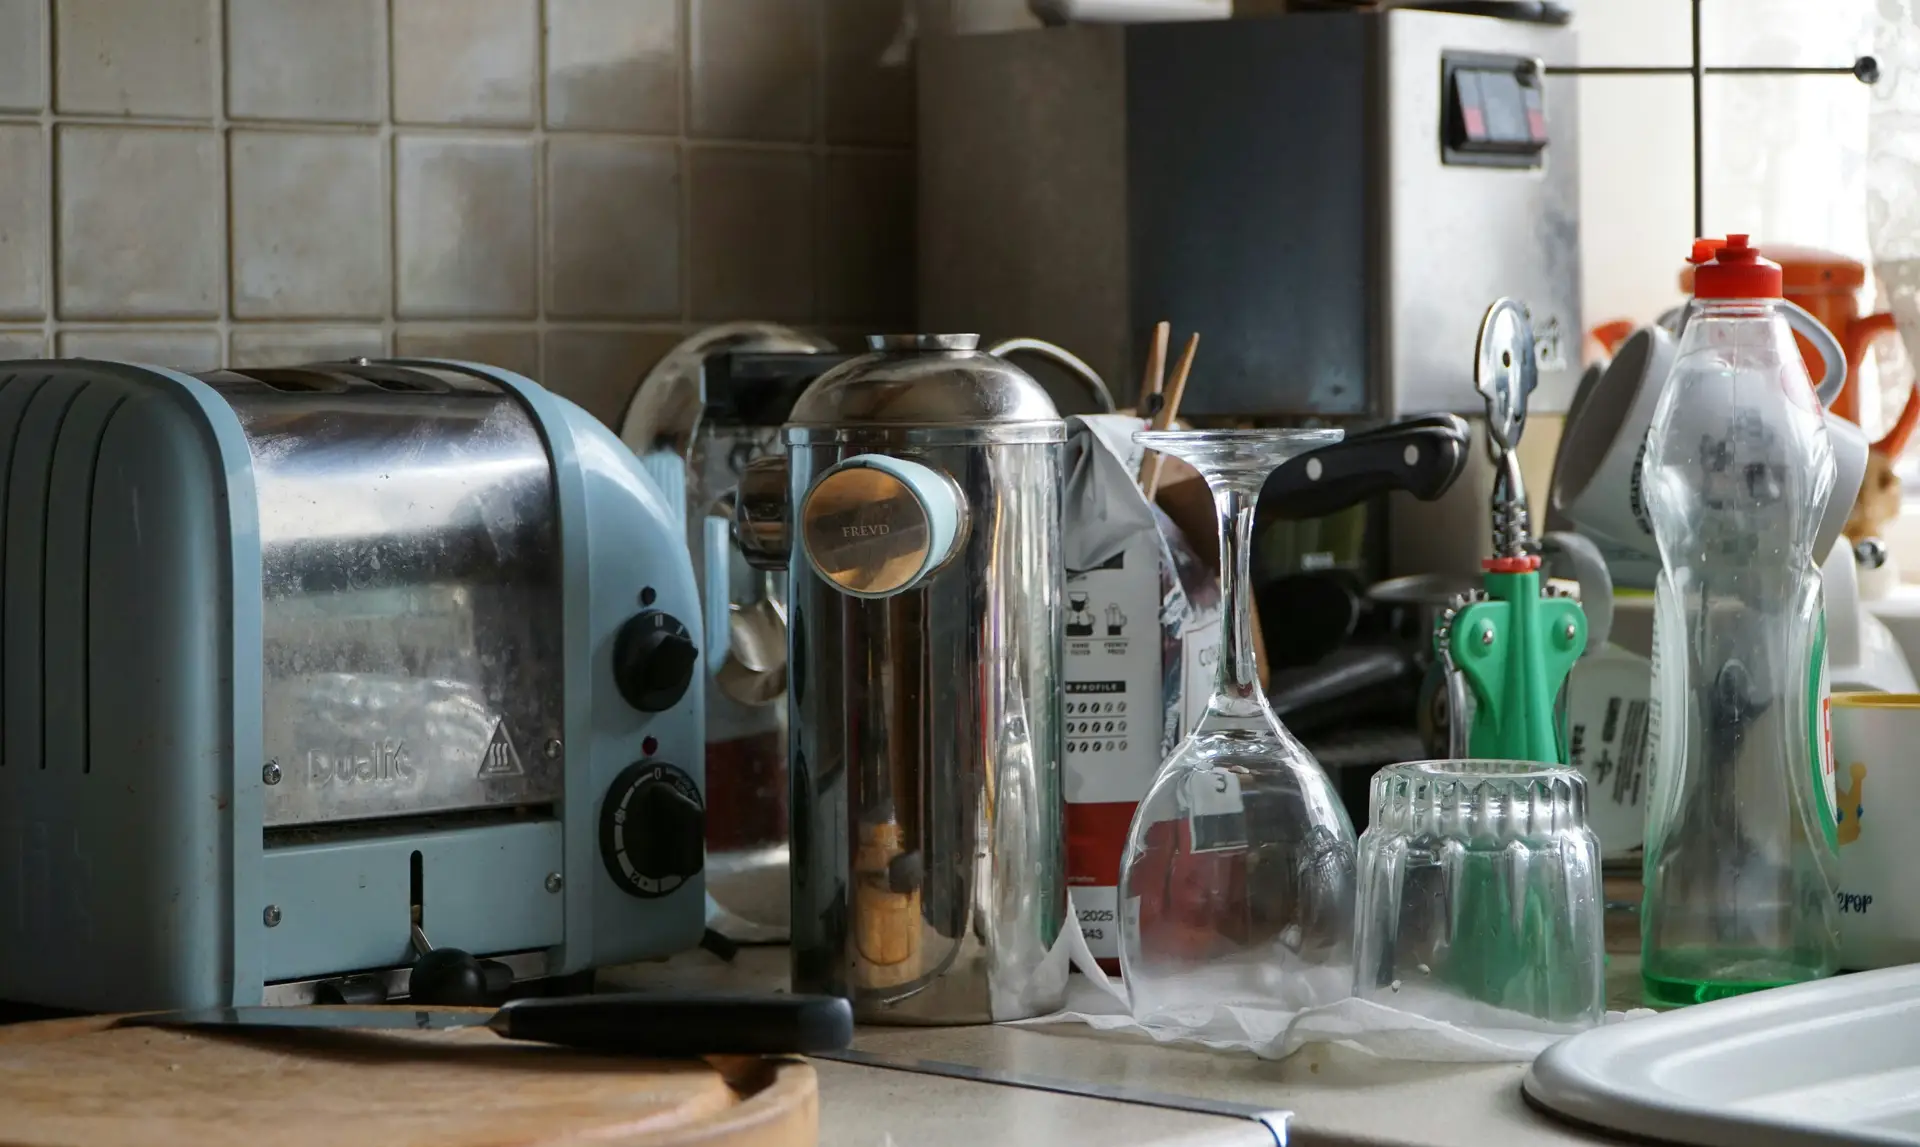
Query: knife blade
(1422, 456)
(1275, 1120)
(664, 1024)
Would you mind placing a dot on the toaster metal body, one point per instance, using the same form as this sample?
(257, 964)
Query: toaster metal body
(293, 660)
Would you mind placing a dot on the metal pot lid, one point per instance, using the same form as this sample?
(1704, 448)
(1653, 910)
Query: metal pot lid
(925, 381)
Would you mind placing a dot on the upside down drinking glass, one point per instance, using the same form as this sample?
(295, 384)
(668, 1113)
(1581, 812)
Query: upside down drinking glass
(1236, 887)
(1479, 896)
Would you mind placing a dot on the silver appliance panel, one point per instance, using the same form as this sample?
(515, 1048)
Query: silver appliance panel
(1459, 235)
(412, 594)
(1286, 185)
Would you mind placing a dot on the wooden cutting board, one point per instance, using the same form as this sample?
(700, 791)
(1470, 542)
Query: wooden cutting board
(83, 1083)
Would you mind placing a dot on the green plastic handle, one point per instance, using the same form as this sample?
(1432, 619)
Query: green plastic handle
(1515, 652)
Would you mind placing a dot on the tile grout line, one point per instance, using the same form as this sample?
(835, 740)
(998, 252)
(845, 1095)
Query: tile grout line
(390, 176)
(456, 131)
(390, 161)
(50, 289)
(816, 302)
(542, 191)
(223, 143)
(683, 155)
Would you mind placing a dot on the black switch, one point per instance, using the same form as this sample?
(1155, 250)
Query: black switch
(1495, 113)
(1506, 114)
(1536, 112)
(1471, 104)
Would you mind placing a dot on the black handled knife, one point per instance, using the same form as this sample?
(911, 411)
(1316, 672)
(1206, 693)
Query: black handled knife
(1422, 456)
(659, 1024)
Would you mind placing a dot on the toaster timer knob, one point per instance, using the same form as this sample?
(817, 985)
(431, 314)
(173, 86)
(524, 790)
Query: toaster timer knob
(653, 829)
(653, 660)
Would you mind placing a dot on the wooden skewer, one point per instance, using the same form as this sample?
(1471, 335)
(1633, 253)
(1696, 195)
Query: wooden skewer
(1170, 411)
(1152, 395)
(1156, 374)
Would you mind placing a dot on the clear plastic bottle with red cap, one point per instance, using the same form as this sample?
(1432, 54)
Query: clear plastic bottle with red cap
(1741, 837)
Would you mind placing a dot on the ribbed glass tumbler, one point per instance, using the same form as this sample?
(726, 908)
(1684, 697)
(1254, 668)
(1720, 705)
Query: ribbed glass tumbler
(1479, 898)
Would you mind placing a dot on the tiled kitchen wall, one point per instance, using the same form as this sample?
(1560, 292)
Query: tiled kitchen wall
(561, 187)
(1784, 153)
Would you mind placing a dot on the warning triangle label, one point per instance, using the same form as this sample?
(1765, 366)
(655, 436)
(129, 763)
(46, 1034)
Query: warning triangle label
(501, 759)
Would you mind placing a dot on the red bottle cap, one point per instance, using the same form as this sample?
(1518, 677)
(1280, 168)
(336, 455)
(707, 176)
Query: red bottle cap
(1732, 268)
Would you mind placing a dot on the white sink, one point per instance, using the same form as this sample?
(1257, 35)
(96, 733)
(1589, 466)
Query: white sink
(1830, 1062)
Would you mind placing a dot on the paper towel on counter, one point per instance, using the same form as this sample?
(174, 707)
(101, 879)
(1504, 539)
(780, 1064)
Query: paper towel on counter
(1443, 1029)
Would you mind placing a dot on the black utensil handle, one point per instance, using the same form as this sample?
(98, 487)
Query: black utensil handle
(1422, 456)
(1307, 616)
(683, 1023)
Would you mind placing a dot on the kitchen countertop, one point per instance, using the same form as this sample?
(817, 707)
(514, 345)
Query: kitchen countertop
(1338, 1098)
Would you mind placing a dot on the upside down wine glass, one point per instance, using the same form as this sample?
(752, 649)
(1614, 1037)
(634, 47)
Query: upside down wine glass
(1237, 884)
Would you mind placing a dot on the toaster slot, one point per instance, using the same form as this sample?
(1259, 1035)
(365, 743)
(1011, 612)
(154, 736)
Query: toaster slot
(402, 380)
(371, 829)
(296, 381)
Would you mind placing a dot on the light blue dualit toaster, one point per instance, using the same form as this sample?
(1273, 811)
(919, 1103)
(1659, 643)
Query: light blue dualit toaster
(306, 671)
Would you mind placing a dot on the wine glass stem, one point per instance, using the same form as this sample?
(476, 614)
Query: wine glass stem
(1236, 686)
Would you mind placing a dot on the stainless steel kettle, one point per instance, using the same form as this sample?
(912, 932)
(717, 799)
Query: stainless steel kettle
(917, 514)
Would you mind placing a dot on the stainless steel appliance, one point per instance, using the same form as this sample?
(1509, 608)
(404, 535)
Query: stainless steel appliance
(307, 670)
(713, 406)
(1330, 196)
(917, 514)
(708, 409)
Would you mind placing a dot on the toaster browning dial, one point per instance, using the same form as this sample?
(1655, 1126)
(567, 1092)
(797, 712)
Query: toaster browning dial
(653, 660)
(653, 829)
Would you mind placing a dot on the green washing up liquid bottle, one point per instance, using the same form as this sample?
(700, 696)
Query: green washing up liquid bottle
(1741, 840)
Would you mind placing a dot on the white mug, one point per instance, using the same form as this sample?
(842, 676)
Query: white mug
(1833, 360)
(1597, 471)
(1609, 705)
(1877, 785)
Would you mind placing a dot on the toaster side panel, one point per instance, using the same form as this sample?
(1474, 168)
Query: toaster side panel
(633, 545)
(116, 783)
(636, 779)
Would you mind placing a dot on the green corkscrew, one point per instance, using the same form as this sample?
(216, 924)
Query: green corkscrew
(1510, 645)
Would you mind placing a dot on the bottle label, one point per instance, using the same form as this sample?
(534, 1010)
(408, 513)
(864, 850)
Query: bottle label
(1216, 816)
(1637, 490)
(1820, 733)
(1667, 715)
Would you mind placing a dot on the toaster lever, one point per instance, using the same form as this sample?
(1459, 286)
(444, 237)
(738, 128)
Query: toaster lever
(452, 978)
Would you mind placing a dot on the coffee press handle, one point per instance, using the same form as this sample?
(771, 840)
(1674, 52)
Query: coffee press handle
(1088, 378)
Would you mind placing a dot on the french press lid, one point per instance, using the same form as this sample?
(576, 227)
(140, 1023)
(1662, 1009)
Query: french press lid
(929, 381)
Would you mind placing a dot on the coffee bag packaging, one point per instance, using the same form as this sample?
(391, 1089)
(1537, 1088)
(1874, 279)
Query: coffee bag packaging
(1142, 633)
